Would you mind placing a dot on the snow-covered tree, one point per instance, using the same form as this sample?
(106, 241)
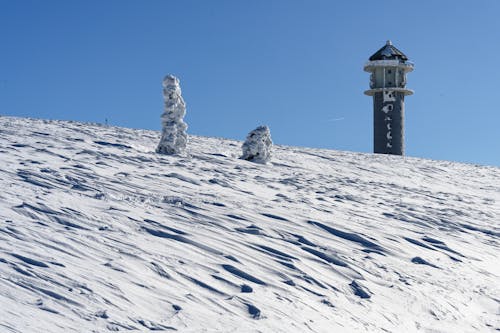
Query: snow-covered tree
(258, 145)
(173, 137)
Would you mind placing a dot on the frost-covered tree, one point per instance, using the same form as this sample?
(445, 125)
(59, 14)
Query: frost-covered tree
(173, 137)
(258, 145)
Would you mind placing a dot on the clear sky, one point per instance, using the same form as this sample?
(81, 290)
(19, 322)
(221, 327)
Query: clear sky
(294, 65)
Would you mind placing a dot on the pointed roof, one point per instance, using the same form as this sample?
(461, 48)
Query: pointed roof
(388, 52)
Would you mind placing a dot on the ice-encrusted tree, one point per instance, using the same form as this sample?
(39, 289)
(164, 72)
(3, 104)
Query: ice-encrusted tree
(173, 137)
(258, 145)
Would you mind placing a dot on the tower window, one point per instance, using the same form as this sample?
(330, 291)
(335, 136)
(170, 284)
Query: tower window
(389, 71)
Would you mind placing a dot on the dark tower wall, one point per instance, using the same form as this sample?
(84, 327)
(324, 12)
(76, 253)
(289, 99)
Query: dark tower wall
(388, 123)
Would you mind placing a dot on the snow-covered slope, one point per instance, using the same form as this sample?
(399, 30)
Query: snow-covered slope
(99, 233)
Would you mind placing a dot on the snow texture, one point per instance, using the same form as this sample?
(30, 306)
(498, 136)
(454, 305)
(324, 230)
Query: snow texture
(258, 145)
(174, 137)
(98, 233)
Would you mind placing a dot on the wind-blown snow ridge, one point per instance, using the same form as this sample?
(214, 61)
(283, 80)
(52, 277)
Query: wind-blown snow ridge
(99, 233)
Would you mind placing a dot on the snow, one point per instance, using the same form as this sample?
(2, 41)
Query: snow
(387, 108)
(99, 233)
(174, 137)
(389, 96)
(407, 66)
(258, 145)
(373, 91)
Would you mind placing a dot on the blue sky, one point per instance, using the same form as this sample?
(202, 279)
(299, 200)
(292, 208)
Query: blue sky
(296, 66)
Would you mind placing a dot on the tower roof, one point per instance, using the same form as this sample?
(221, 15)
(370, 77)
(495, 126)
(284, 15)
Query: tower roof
(388, 52)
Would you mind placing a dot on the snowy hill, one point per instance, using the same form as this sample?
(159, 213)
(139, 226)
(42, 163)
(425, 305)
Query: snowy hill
(99, 233)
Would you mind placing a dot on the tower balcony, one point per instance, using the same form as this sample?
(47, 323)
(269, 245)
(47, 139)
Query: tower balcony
(373, 91)
(371, 66)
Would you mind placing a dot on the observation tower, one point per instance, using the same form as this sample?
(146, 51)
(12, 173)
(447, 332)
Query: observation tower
(388, 67)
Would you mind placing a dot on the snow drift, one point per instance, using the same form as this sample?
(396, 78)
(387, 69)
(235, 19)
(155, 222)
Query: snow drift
(99, 233)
